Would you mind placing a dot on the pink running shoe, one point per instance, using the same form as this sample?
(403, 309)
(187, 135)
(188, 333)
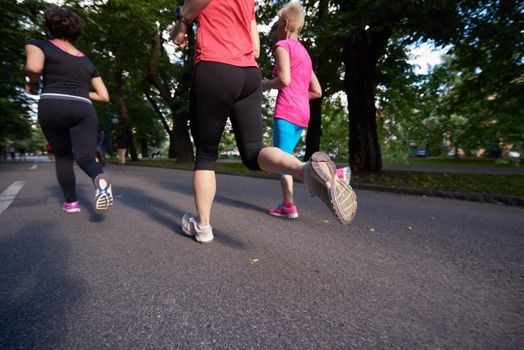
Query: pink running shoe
(287, 210)
(344, 174)
(71, 208)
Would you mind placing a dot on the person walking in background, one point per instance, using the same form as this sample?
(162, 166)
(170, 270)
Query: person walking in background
(102, 146)
(226, 82)
(22, 153)
(155, 153)
(122, 142)
(12, 152)
(65, 111)
(3, 152)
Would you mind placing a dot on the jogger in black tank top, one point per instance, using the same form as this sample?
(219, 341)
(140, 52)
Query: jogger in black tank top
(65, 112)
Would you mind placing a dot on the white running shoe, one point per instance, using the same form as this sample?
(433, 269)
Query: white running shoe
(190, 228)
(103, 194)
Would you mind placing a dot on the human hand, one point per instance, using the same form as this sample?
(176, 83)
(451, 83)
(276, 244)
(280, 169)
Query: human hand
(31, 89)
(178, 34)
(264, 85)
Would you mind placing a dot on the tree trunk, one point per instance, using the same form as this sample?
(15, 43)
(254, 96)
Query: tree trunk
(143, 148)
(180, 146)
(125, 115)
(183, 145)
(314, 128)
(169, 131)
(361, 54)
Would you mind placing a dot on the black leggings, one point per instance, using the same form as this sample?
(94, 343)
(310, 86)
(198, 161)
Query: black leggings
(69, 126)
(219, 91)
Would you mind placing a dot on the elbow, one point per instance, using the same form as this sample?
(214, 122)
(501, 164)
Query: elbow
(317, 94)
(103, 97)
(33, 69)
(285, 81)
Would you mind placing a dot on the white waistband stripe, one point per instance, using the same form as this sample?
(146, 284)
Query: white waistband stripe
(50, 94)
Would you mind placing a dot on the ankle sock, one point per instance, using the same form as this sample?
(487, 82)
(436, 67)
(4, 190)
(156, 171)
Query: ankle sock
(201, 227)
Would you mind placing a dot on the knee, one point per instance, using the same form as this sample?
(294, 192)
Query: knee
(206, 158)
(82, 158)
(249, 155)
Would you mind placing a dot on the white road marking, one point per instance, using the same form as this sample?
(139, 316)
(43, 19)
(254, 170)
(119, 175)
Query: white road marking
(33, 167)
(7, 197)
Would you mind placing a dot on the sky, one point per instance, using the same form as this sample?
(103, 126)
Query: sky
(424, 55)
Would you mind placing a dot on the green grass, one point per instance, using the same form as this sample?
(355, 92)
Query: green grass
(453, 162)
(478, 183)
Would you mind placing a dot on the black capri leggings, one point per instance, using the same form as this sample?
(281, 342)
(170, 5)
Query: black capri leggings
(70, 125)
(219, 91)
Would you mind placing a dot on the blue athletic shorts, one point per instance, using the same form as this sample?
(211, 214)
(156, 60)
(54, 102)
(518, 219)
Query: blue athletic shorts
(286, 135)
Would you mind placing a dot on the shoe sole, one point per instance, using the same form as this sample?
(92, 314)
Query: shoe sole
(289, 216)
(73, 211)
(187, 232)
(104, 199)
(342, 198)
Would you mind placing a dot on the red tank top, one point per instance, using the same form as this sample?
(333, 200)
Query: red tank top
(223, 33)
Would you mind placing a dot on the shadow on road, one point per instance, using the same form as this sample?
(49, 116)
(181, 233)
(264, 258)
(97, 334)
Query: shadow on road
(85, 194)
(36, 294)
(188, 190)
(166, 214)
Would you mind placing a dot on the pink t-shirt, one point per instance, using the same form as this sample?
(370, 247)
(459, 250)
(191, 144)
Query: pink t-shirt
(293, 100)
(223, 33)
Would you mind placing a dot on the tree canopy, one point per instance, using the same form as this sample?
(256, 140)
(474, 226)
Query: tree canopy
(373, 104)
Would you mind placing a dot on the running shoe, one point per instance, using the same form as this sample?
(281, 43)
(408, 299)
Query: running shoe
(103, 194)
(192, 229)
(287, 210)
(71, 208)
(320, 175)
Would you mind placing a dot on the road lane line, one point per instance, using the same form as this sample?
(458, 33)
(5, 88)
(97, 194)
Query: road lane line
(33, 167)
(7, 197)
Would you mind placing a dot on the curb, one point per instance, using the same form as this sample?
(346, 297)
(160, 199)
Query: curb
(467, 196)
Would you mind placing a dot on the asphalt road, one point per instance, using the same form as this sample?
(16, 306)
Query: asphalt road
(408, 273)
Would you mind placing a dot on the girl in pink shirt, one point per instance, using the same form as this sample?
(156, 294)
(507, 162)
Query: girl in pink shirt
(297, 84)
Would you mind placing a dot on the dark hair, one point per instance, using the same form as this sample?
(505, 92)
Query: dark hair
(63, 23)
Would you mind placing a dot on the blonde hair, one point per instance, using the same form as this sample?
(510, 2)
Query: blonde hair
(294, 13)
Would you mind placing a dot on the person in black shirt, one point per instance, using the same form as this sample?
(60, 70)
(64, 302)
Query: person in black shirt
(65, 111)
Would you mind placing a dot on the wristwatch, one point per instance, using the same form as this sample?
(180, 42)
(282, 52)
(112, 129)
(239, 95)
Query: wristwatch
(180, 17)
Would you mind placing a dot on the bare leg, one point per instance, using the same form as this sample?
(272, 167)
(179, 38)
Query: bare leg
(204, 186)
(286, 182)
(274, 160)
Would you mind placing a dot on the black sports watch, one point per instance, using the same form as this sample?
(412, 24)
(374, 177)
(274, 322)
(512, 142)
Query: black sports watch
(181, 18)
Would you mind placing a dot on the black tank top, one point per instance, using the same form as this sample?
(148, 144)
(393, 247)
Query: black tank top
(65, 73)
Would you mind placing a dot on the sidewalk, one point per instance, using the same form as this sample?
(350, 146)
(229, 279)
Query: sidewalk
(456, 169)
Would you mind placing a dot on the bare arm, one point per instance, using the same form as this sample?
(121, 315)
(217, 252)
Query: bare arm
(315, 90)
(283, 78)
(34, 66)
(191, 10)
(100, 94)
(255, 39)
